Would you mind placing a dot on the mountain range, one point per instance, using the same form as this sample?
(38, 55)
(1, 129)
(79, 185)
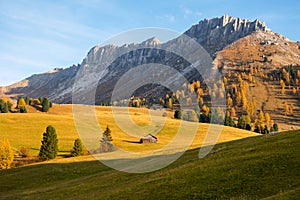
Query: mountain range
(233, 44)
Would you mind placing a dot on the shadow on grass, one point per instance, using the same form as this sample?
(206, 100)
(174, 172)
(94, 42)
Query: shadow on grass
(38, 108)
(206, 178)
(133, 142)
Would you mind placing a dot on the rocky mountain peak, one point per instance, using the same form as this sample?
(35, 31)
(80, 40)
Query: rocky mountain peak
(151, 42)
(216, 33)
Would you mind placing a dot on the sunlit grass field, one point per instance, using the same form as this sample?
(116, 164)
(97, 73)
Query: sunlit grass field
(26, 129)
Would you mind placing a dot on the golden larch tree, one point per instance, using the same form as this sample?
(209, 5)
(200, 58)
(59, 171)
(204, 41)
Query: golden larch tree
(6, 155)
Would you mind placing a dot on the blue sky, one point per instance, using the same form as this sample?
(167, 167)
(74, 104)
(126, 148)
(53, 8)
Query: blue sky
(36, 36)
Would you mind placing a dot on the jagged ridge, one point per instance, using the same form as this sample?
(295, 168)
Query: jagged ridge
(214, 34)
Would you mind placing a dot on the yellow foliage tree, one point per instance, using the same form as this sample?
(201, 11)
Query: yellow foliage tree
(240, 80)
(250, 109)
(294, 90)
(200, 92)
(205, 109)
(282, 91)
(191, 88)
(238, 97)
(287, 78)
(233, 112)
(282, 83)
(198, 85)
(250, 78)
(170, 103)
(244, 100)
(201, 101)
(286, 108)
(261, 116)
(225, 80)
(6, 155)
(291, 109)
(21, 103)
(267, 118)
(229, 101)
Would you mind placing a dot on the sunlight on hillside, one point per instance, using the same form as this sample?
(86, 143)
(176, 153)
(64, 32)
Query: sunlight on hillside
(26, 129)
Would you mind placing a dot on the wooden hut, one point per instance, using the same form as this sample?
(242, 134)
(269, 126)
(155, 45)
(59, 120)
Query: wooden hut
(148, 139)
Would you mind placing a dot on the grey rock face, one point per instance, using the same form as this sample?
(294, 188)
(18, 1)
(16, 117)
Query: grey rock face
(215, 34)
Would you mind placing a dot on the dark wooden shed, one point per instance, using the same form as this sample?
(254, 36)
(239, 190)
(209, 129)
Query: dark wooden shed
(148, 139)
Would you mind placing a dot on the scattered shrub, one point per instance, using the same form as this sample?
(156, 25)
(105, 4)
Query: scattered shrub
(77, 148)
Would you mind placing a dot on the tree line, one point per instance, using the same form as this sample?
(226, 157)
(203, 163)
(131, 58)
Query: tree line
(42, 103)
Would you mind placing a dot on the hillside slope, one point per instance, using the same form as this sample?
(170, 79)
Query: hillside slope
(268, 53)
(265, 167)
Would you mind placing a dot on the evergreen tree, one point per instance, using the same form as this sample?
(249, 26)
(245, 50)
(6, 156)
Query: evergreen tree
(229, 121)
(105, 142)
(49, 147)
(1, 105)
(243, 121)
(205, 117)
(4, 108)
(257, 128)
(23, 109)
(275, 127)
(265, 131)
(6, 155)
(9, 104)
(77, 148)
(45, 104)
(248, 127)
(41, 100)
(27, 100)
(178, 114)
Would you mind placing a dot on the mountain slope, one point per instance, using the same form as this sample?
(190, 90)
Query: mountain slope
(251, 168)
(270, 52)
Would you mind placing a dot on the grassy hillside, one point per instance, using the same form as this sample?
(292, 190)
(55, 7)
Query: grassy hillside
(26, 129)
(251, 168)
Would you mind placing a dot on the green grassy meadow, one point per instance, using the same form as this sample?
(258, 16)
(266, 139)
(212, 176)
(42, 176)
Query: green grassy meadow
(243, 165)
(263, 167)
